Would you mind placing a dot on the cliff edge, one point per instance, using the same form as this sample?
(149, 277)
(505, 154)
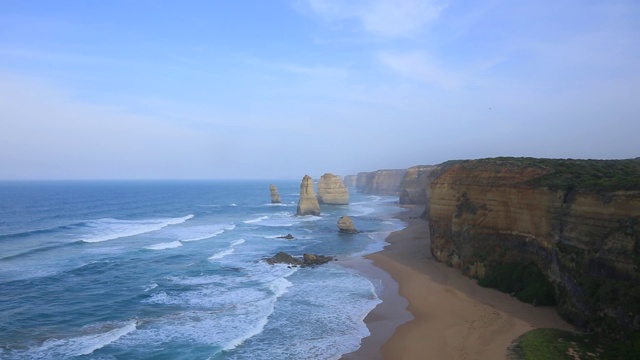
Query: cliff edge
(548, 231)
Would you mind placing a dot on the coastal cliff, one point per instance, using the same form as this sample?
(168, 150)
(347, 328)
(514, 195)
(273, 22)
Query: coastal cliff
(380, 182)
(350, 180)
(548, 231)
(415, 187)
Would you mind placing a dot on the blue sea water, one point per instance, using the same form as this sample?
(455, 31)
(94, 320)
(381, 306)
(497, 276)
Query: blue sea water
(174, 270)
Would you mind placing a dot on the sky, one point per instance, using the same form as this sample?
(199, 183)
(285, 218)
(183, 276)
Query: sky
(276, 89)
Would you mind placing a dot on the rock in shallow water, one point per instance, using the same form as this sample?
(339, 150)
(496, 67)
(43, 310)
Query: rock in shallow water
(275, 197)
(307, 259)
(345, 224)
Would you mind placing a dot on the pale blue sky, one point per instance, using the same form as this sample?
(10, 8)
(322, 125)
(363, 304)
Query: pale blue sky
(282, 88)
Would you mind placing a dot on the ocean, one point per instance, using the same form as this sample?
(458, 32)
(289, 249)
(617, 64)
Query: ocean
(175, 270)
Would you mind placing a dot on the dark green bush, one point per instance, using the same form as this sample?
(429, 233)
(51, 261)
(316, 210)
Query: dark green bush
(525, 281)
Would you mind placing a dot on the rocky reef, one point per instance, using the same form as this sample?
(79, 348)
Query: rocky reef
(331, 190)
(559, 231)
(275, 197)
(308, 204)
(380, 182)
(307, 259)
(345, 225)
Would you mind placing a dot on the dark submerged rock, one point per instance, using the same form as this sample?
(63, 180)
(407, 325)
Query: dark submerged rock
(307, 259)
(288, 237)
(283, 258)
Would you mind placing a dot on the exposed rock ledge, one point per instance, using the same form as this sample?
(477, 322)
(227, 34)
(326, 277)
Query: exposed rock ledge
(307, 259)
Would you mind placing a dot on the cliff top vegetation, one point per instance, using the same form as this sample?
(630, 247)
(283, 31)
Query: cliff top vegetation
(596, 176)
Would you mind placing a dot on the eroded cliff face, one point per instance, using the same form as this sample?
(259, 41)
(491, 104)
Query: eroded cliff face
(415, 187)
(380, 182)
(485, 213)
(350, 180)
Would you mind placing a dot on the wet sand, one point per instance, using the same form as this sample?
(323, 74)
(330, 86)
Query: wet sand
(453, 317)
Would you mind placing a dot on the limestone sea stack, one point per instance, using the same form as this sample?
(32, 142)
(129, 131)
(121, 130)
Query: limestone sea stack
(331, 190)
(275, 197)
(308, 204)
(345, 224)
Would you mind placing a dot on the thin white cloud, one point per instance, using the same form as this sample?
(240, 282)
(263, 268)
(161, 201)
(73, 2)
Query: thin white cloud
(419, 67)
(387, 18)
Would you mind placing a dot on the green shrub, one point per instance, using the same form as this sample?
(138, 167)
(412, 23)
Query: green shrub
(525, 281)
(597, 176)
(553, 344)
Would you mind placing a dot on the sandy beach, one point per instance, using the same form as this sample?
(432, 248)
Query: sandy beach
(451, 317)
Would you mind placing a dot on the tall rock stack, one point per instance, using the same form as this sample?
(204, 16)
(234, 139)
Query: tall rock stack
(308, 204)
(275, 197)
(331, 190)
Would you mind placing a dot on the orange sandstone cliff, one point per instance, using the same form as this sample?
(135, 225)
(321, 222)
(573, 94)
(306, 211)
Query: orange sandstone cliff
(549, 231)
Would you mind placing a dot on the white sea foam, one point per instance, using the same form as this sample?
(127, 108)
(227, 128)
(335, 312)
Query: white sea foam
(310, 218)
(150, 287)
(237, 242)
(82, 345)
(281, 219)
(110, 229)
(220, 254)
(361, 209)
(233, 204)
(279, 286)
(256, 220)
(277, 204)
(206, 232)
(228, 251)
(337, 317)
(166, 245)
(91, 343)
(250, 332)
(237, 307)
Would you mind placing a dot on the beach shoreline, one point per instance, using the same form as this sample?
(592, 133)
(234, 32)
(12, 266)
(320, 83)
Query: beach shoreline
(450, 316)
